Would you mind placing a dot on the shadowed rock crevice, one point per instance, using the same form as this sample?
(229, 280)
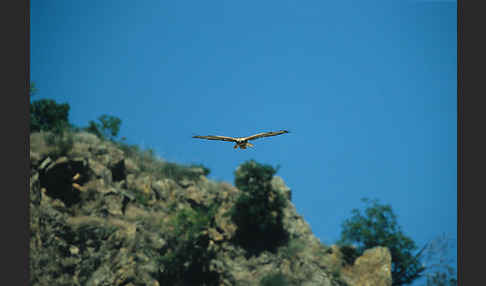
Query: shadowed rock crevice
(118, 171)
(58, 178)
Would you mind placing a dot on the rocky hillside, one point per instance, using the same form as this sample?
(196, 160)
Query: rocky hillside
(103, 213)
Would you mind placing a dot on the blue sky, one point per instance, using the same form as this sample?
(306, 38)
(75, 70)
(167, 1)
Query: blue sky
(367, 89)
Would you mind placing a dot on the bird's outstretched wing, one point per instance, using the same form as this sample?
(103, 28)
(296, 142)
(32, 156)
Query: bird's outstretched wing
(266, 134)
(221, 138)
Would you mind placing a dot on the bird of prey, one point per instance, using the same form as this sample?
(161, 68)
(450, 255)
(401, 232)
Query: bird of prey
(242, 142)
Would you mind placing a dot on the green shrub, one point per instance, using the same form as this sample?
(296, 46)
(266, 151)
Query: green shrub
(187, 255)
(107, 127)
(378, 227)
(258, 211)
(110, 125)
(254, 178)
(94, 128)
(275, 279)
(47, 115)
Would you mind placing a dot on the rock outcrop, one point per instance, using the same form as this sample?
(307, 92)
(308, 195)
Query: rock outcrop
(103, 214)
(373, 268)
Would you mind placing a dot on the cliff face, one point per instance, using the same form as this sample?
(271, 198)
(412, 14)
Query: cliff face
(105, 214)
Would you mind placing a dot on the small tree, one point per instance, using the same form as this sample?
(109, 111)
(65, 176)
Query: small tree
(258, 211)
(94, 128)
(108, 126)
(379, 227)
(47, 115)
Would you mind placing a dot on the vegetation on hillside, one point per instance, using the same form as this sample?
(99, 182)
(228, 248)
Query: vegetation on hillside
(188, 254)
(47, 115)
(107, 127)
(258, 211)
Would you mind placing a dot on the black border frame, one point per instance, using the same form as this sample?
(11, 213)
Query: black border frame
(470, 147)
(16, 120)
(460, 251)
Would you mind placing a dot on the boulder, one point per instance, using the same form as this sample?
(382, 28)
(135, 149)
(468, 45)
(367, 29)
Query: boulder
(373, 268)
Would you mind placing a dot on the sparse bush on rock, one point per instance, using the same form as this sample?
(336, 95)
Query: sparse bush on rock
(186, 259)
(258, 211)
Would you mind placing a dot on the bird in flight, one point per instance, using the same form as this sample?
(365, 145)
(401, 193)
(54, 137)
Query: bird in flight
(242, 142)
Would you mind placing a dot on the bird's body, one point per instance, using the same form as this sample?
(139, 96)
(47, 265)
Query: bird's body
(242, 142)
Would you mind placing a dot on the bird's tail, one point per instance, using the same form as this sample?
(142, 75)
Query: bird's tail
(249, 144)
